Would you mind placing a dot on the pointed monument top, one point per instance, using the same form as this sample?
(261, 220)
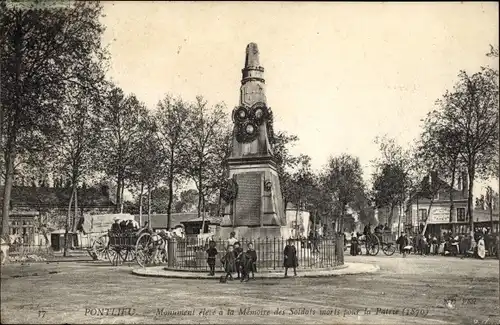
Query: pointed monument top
(252, 56)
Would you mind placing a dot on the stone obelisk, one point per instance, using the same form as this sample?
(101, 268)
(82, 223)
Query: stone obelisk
(255, 209)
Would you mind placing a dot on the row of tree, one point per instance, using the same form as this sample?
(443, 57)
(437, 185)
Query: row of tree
(59, 114)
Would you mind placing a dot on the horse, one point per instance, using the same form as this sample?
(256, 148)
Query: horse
(6, 242)
(176, 234)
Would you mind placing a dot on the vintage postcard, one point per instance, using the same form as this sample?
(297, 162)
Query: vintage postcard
(249, 162)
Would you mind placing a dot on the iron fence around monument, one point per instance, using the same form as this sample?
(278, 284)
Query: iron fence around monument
(189, 254)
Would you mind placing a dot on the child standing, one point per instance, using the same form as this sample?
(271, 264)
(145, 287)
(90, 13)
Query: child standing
(237, 251)
(228, 262)
(290, 258)
(212, 253)
(253, 257)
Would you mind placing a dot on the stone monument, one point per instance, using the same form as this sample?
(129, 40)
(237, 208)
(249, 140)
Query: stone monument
(254, 200)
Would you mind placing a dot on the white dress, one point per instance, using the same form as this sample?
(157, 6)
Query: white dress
(481, 250)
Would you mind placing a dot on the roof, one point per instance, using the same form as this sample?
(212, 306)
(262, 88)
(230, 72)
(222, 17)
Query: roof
(160, 220)
(56, 197)
(444, 193)
(212, 220)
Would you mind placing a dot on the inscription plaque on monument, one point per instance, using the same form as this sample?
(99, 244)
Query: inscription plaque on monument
(248, 202)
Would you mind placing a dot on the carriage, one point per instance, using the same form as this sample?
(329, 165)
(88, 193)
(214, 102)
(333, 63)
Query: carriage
(143, 246)
(374, 241)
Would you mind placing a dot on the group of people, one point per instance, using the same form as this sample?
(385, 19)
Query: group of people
(244, 263)
(476, 243)
(124, 225)
(233, 260)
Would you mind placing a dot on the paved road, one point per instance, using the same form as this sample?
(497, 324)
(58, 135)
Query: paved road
(405, 291)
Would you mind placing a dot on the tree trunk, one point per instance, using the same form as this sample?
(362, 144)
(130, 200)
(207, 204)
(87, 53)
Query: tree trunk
(203, 215)
(470, 197)
(75, 190)
(12, 129)
(452, 205)
(149, 208)
(121, 195)
(389, 220)
(117, 203)
(399, 220)
(140, 204)
(68, 219)
(341, 223)
(9, 177)
(200, 194)
(219, 205)
(297, 220)
(428, 216)
(170, 189)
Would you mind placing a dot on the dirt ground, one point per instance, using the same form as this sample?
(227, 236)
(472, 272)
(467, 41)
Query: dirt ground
(405, 291)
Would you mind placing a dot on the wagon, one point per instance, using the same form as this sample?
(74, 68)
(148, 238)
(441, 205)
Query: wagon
(143, 246)
(374, 241)
(387, 241)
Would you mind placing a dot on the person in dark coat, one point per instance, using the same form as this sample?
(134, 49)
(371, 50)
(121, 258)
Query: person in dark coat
(237, 251)
(253, 256)
(290, 258)
(115, 227)
(212, 253)
(245, 264)
(403, 243)
(228, 261)
(354, 244)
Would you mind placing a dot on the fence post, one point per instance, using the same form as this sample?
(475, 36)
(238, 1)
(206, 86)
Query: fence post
(170, 252)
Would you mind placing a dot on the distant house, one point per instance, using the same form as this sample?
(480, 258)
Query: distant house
(440, 218)
(30, 202)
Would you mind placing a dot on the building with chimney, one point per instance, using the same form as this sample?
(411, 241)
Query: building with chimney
(446, 211)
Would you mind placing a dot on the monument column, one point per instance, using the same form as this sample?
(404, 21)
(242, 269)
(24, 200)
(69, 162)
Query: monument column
(254, 203)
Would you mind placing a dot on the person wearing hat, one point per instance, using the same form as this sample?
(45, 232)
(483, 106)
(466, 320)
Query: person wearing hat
(115, 227)
(290, 258)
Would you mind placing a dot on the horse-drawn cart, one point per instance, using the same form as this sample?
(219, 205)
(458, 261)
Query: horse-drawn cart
(143, 246)
(374, 241)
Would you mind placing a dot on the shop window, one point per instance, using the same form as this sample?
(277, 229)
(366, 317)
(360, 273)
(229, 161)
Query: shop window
(422, 215)
(461, 214)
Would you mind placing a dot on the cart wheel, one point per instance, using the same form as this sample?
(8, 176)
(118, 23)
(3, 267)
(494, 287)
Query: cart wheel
(128, 255)
(114, 257)
(373, 246)
(144, 249)
(101, 247)
(389, 249)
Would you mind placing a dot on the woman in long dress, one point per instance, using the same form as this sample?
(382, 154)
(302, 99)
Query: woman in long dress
(481, 249)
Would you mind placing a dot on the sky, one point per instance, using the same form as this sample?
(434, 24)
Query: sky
(337, 74)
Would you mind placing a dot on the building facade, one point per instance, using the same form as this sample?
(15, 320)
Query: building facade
(35, 211)
(447, 211)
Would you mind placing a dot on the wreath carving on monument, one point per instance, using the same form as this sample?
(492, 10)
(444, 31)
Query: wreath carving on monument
(248, 121)
(229, 190)
(268, 185)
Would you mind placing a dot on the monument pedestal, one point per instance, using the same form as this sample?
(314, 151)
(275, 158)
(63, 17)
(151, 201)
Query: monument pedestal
(257, 211)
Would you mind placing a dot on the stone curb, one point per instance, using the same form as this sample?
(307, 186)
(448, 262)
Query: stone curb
(265, 271)
(350, 269)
